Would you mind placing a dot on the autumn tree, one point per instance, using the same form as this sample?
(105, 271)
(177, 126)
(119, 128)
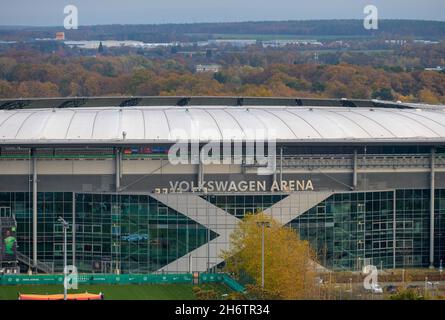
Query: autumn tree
(289, 261)
(427, 96)
(6, 89)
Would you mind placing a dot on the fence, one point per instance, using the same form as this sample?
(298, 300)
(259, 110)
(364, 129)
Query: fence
(221, 278)
(87, 279)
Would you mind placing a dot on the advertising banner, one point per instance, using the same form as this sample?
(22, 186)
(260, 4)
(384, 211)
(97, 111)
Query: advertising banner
(9, 246)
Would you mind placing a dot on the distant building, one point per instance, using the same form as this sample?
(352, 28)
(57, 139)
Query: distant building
(438, 68)
(283, 43)
(207, 68)
(239, 43)
(426, 42)
(396, 42)
(60, 36)
(94, 44)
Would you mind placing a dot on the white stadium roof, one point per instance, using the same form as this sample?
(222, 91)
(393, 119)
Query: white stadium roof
(143, 120)
(165, 124)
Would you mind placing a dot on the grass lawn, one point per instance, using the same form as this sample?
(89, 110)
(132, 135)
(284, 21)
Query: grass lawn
(117, 292)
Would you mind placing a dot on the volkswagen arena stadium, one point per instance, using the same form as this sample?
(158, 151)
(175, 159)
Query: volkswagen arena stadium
(158, 184)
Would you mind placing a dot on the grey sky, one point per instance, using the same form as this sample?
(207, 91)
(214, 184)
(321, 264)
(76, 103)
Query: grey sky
(50, 12)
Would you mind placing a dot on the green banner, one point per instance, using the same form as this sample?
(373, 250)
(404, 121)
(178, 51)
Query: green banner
(122, 279)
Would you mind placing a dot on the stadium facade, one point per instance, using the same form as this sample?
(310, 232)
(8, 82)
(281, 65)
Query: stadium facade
(361, 180)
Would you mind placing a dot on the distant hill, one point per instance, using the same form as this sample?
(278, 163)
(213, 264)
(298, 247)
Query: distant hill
(202, 31)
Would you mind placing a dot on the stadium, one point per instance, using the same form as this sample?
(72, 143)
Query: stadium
(361, 180)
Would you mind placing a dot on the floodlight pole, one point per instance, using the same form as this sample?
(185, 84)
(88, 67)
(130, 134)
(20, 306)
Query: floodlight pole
(65, 269)
(262, 256)
(262, 224)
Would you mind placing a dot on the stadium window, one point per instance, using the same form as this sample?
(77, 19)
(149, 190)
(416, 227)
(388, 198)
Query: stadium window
(407, 244)
(115, 248)
(58, 248)
(321, 209)
(58, 228)
(162, 211)
(408, 224)
(115, 230)
(408, 260)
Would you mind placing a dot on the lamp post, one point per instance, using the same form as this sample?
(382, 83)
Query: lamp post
(65, 226)
(350, 286)
(262, 224)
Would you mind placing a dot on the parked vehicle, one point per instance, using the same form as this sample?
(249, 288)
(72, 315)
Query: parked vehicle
(391, 288)
(376, 288)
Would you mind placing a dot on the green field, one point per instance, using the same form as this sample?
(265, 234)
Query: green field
(117, 292)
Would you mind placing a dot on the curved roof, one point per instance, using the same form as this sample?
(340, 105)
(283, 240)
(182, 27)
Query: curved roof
(118, 125)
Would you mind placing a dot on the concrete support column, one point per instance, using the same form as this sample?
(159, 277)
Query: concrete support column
(73, 230)
(354, 170)
(432, 203)
(34, 208)
(118, 173)
(200, 170)
(394, 229)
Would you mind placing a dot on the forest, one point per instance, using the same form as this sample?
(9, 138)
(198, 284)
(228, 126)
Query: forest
(31, 73)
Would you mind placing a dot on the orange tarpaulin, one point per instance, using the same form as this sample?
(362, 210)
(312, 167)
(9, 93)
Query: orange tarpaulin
(76, 296)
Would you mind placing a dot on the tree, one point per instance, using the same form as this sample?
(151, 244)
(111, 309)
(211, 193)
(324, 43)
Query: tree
(101, 48)
(289, 262)
(427, 96)
(205, 294)
(383, 94)
(7, 90)
(30, 89)
(407, 294)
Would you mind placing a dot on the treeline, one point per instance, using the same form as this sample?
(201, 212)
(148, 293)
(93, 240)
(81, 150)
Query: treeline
(30, 74)
(197, 31)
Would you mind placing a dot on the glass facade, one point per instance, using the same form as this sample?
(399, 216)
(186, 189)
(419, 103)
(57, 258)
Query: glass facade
(132, 233)
(240, 205)
(138, 234)
(439, 225)
(347, 229)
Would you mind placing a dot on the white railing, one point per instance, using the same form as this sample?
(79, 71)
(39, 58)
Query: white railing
(342, 161)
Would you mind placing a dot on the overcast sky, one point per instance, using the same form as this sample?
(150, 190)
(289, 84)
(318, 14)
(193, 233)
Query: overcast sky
(50, 12)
